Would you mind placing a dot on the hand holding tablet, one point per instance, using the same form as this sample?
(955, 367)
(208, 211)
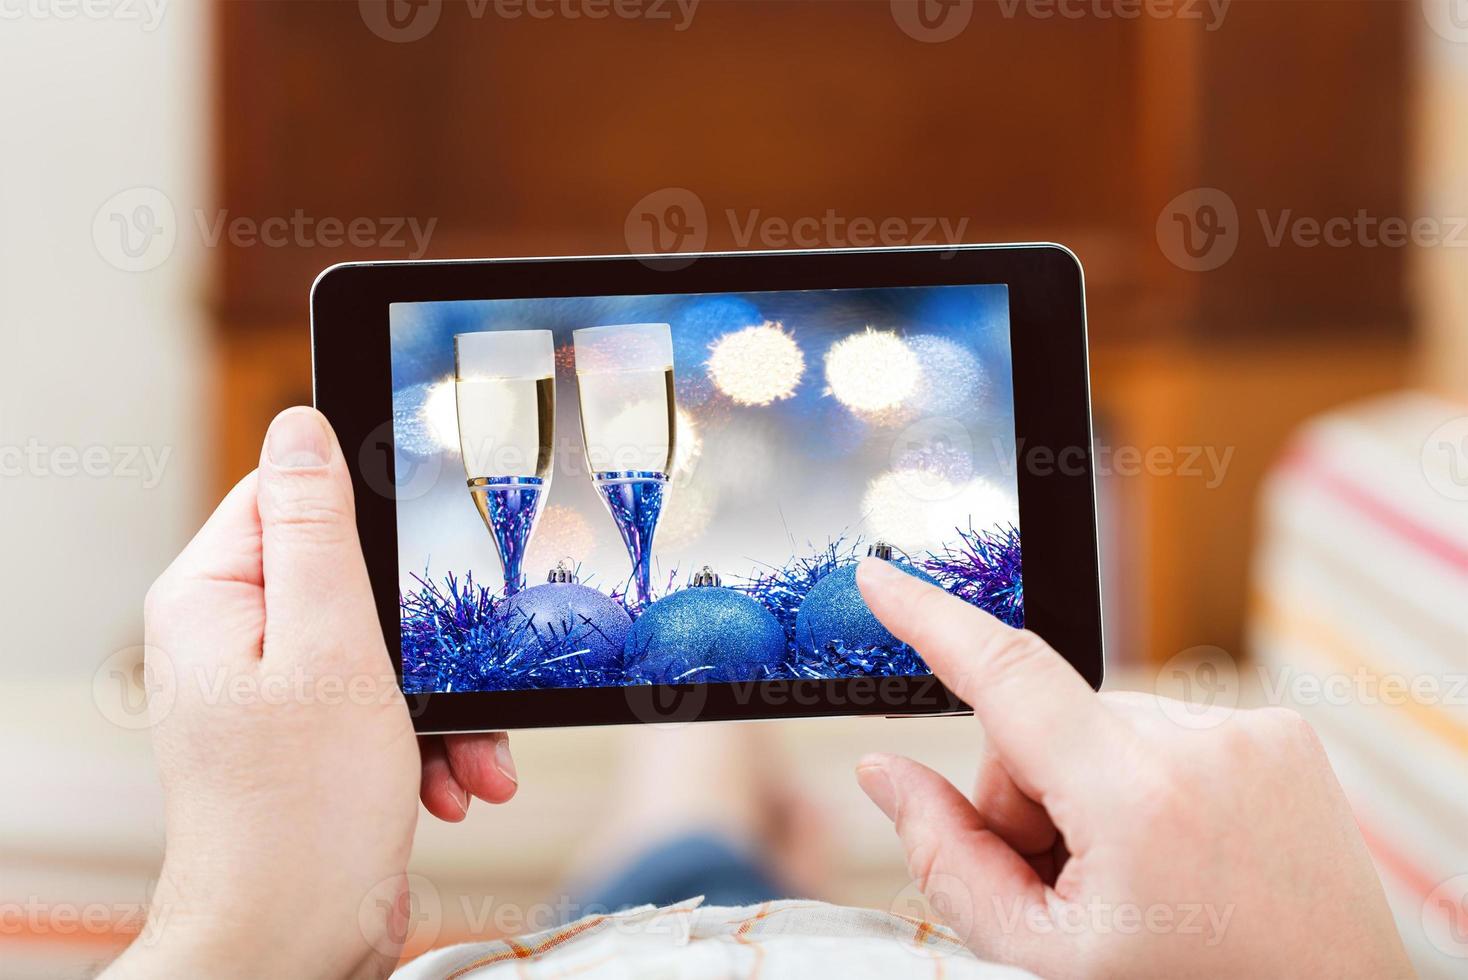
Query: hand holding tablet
(1102, 837)
(673, 468)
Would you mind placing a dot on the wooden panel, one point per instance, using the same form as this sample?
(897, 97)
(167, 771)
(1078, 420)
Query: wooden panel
(525, 136)
(1185, 535)
(536, 137)
(261, 371)
(1437, 274)
(1305, 114)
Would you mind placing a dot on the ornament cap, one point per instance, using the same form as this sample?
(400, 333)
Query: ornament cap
(561, 573)
(880, 549)
(705, 577)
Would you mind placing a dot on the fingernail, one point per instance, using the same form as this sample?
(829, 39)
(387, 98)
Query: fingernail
(297, 440)
(877, 572)
(505, 762)
(877, 785)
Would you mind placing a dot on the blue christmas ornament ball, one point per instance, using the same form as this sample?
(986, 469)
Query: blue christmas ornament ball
(834, 612)
(705, 626)
(567, 617)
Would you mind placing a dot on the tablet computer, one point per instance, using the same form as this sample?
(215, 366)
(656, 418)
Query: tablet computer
(634, 489)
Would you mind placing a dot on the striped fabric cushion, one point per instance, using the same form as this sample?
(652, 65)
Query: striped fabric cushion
(1360, 621)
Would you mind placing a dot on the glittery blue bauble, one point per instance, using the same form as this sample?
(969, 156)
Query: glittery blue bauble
(705, 626)
(834, 612)
(567, 617)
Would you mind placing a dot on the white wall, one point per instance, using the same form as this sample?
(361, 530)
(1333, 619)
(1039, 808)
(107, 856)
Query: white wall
(92, 355)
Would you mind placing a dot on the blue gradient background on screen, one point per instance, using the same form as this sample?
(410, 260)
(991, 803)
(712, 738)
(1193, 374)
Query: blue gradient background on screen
(767, 482)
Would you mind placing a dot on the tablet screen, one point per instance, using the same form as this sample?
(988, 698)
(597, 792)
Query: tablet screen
(606, 491)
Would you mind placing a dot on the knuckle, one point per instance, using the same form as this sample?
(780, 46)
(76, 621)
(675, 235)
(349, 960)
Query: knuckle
(309, 508)
(1012, 651)
(311, 515)
(1288, 726)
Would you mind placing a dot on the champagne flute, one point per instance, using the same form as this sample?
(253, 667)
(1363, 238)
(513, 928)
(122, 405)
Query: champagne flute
(505, 393)
(624, 376)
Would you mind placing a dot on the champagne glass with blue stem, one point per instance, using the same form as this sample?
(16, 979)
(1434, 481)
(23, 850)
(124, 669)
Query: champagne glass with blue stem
(505, 393)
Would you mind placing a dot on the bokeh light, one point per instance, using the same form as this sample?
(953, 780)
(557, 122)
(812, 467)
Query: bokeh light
(926, 520)
(953, 381)
(757, 365)
(704, 319)
(701, 321)
(981, 503)
(872, 372)
(440, 414)
(937, 468)
(893, 514)
(411, 431)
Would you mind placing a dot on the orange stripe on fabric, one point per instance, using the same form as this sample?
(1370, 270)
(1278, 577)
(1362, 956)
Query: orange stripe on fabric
(519, 951)
(748, 924)
(933, 931)
(741, 936)
(1325, 639)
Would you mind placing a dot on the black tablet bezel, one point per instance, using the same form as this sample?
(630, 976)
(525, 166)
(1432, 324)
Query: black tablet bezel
(353, 388)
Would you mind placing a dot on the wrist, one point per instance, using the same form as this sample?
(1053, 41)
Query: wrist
(224, 931)
(190, 950)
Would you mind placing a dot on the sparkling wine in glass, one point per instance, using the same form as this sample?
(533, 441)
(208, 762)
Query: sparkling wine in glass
(504, 387)
(624, 376)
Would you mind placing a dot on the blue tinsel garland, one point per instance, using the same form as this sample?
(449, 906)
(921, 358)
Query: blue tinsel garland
(984, 570)
(454, 640)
